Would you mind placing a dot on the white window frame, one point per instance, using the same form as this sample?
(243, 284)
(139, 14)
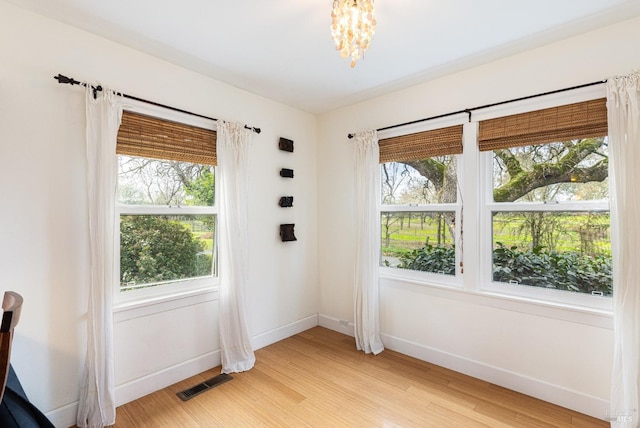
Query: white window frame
(169, 290)
(430, 277)
(487, 206)
(420, 277)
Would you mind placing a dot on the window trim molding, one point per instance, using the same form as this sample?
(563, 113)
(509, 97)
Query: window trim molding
(429, 279)
(127, 310)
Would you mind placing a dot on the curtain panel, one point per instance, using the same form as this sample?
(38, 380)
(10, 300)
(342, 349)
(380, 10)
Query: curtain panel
(96, 406)
(233, 240)
(623, 104)
(367, 257)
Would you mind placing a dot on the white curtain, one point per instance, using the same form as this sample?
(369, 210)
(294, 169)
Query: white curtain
(623, 105)
(97, 394)
(367, 258)
(233, 143)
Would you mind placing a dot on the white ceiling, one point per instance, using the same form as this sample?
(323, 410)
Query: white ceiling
(282, 49)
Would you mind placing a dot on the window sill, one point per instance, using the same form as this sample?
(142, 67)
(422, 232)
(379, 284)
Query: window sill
(126, 310)
(601, 318)
(422, 278)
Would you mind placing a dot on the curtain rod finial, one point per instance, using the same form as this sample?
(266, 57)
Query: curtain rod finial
(64, 79)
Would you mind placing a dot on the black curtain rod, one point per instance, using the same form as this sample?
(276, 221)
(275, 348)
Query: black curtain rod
(71, 81)
(470, 110)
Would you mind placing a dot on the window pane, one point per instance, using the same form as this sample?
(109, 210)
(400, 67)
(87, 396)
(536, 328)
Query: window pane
(565, 251)
(421, 241)
(161, 248)
(574, 170)
(143, 181)
(426, 181)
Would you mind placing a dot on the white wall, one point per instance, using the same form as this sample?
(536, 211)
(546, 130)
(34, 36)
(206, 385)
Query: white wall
(44, 242)
(560, 355)
(563, 356)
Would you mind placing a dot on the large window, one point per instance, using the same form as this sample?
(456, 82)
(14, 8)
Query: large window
(165, 203)
(536, 206)
(547, 198)
(420, 203)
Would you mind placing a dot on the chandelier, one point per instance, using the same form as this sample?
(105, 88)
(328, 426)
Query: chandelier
(352, 27)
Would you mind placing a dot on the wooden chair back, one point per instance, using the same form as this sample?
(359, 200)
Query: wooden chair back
(11, 306)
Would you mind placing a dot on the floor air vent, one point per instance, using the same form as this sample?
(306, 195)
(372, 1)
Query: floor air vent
(204, 386)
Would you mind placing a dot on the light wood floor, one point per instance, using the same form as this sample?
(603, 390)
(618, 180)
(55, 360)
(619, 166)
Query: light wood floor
(318, 379)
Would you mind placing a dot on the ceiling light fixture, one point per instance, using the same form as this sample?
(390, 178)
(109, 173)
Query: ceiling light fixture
(352, 26)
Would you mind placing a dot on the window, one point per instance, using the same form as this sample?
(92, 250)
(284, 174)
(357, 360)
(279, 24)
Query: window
(165, 204)
(546, 201)
(420, 202)
(534, 174)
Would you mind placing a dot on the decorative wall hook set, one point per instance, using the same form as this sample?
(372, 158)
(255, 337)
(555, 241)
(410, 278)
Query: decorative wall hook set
(287, 232)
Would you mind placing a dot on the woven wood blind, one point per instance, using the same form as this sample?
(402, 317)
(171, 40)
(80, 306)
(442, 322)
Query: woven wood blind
(151, 137)
(569, 122)
(422, 145)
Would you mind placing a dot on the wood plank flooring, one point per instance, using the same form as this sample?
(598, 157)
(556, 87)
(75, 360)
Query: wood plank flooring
(318, 379)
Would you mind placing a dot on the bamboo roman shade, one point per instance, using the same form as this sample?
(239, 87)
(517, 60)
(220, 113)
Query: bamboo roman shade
(152, 137)
(569, 122)
(422, 145)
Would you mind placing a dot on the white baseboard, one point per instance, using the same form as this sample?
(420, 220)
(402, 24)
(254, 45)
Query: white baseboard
(567, 398)
(280, 333)
(341, 326)
(64, 416)
(161, 379)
